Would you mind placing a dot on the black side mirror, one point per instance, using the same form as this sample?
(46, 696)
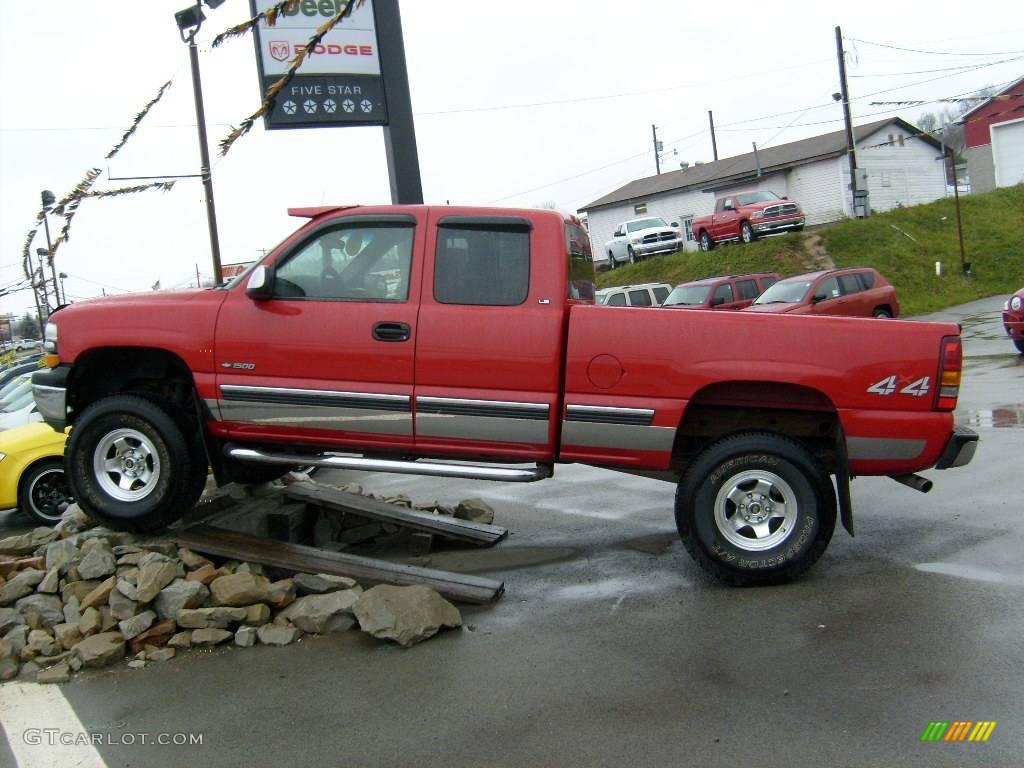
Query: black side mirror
(717, 300)
(261, 283)
(675, 224)
(819, 297)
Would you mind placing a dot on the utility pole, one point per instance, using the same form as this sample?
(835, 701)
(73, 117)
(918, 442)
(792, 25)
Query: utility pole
(657, 149)
(757, 160)
(714, 144)
(845, 95)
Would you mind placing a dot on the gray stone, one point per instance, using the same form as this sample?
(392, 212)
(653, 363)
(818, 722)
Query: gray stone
(218, 617)
(137, 663)
(8, 668)
(120, 606)
(181, 640)
(100, 650)
(68, 635)
(239, 589)
(406, 615)
(321, 583)
(475, 510)
(161, 654)
(91, 622)
(281, 593)
(78, 590)
(17, 637)
(49, 607)
(127, 588)
(154, 575)
(7, 649)
(180, 594)
(75, 663)
(98, 561)
(256, 614)
(14, 590)
(245, 637)
(74, 520)
(131, 558)
(31, 576)
(275, 634)
(191, 559)
(210, 636)
(72, 614)
(9, 618)
(58, 673)
(136, 625)
(42, 642)
(27, 543)
(255, 568)
(28, 671)
(320, 614)
(50, 583)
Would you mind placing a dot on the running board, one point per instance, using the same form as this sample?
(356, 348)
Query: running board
(500, 473)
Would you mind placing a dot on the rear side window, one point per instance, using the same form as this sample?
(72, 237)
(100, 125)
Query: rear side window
(851, 284)
(723, 294)
(639, 298)
(616, 300)
(747, 289)
(660, 294)
(483, 265)
(867, 278)
(768, 282)
(581, 263)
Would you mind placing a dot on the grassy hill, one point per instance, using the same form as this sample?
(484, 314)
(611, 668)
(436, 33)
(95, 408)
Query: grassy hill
(903, 245)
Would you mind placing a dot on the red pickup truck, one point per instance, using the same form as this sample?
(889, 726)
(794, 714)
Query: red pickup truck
(745, 217)
(465, 342)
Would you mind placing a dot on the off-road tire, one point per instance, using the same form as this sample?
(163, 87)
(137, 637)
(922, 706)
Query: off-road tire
(769, 472)
(706, 243)
(747, 234)
(134, 464)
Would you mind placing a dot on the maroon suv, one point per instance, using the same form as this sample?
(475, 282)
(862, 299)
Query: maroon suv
(722, 292)
(856, 292)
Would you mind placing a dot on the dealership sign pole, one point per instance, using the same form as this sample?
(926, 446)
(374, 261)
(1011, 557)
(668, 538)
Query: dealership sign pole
(356, 75)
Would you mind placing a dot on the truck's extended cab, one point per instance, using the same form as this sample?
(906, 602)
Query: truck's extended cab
(403, 338)
(746, 216)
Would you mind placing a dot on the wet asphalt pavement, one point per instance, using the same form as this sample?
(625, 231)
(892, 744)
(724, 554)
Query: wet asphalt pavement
(610, 647)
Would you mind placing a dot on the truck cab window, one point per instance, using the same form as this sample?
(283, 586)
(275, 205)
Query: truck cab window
(366, 263)
(482, 265)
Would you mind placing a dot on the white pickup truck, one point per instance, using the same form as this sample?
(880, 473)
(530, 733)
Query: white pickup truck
(637, 238)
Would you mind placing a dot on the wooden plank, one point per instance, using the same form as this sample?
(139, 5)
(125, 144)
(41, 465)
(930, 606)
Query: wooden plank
(300, 558)
(443, 525)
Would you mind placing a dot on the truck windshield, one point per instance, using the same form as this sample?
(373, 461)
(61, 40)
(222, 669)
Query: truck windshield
(636, 226)
(756, 197)
(786, 292)
(688, 295)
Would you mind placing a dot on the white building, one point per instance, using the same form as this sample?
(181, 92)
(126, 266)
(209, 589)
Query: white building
(901, 165)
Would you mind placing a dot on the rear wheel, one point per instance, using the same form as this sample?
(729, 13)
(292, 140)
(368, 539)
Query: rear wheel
(1019, 344)
(632, 256)
(747, 232)
(43, 492)
(881, 312)
(611, 260)
(755, 509)
(706, 243)
(133, 464)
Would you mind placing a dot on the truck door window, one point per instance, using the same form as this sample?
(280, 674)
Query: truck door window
(747, 289)
(828, 289)
(364, 263)
(616, 300)
(641, 298)
(660, 294)
(482, 265)
(723, 294)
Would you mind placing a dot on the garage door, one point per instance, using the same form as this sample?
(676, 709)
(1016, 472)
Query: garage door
(1008, 152)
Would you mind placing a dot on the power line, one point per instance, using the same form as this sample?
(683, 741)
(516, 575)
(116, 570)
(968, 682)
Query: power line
(934, 53)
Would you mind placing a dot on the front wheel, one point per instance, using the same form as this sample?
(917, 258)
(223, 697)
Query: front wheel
(132, 465)
(882, 312)
(43, 492)
(706, 243)
(755, 509)
(632, 256)
(747, 232)
(612, 264)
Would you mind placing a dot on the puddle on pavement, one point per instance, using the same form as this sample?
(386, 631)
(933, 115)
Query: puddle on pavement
(997, 416)
(501, 558)
(656, 544)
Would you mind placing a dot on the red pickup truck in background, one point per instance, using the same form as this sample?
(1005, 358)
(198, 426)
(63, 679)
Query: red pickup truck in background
(398, 339)
(746, 216)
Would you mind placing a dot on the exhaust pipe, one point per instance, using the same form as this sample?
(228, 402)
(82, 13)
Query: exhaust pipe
(918, 483)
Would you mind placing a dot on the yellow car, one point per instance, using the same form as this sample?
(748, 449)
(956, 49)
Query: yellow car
(32, 472)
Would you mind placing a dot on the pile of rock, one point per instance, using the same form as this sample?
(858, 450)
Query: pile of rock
(77, 597)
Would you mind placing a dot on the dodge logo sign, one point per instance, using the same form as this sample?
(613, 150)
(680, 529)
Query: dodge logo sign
(280, 50)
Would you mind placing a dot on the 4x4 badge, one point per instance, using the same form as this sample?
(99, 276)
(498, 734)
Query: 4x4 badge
(891, 384)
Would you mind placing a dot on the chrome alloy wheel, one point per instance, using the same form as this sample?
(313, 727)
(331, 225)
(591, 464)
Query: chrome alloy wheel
(126, 465)
(756, 510)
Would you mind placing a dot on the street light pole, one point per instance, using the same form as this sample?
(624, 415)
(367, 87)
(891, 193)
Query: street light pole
(204, 151)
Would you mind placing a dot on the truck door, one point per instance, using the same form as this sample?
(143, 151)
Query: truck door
(489, 348)
(329, 355)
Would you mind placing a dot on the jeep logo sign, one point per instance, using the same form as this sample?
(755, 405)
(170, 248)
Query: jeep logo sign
(339, 82)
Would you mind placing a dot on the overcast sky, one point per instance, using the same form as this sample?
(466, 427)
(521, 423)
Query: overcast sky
(515, 104)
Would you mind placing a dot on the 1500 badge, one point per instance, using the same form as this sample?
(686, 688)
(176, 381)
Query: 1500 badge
(901, 384)
(239, 366)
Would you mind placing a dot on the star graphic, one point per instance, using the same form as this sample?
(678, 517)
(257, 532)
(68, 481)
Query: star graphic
(289, 107)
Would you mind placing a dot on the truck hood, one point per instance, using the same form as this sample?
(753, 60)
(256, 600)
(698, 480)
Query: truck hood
(782, 306)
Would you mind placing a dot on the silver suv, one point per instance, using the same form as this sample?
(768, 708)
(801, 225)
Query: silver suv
(644, 295)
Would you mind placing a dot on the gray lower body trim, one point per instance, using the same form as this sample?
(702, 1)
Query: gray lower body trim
(883, 448)
(617, 436)
(482, 420)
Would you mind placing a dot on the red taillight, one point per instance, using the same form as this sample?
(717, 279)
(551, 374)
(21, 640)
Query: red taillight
(951, 366)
